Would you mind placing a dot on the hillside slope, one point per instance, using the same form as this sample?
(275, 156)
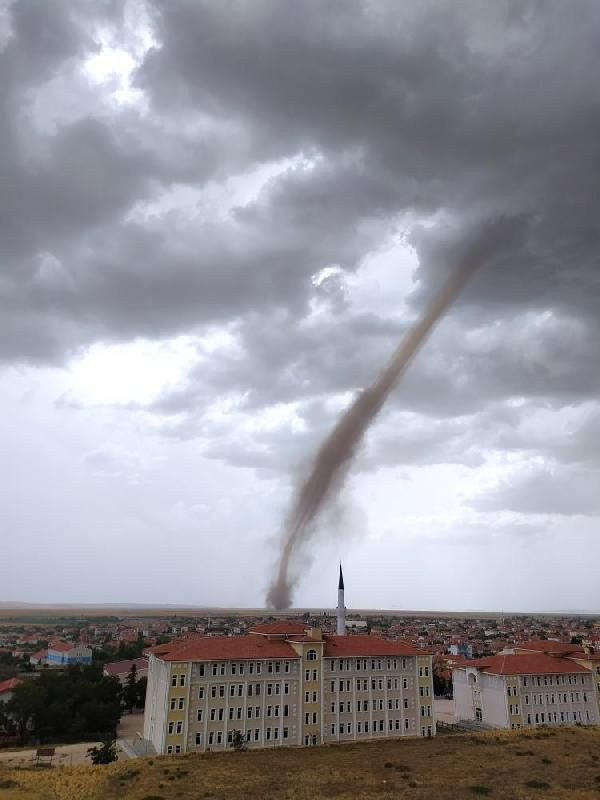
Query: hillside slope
(548, 763)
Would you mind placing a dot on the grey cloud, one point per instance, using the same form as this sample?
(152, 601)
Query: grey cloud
(542, 490)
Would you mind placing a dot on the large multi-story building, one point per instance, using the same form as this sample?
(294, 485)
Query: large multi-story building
(286, 684)
(518, 690)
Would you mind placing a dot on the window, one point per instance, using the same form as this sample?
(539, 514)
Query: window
(286, 668)
(405, 683)
(249, 712)
(199, 716)
(232, 690)
(241, 669)
(405, 724)
(286, 711)
(342, 728)
(215, 669)
(221, 691)
(213, 691)
(198, 738)
(219, 737)
(269, 688)
(277, 710)
(171, 728)
(182, 680)
(333, 708)
(240, 689)
(311, 655)
(251, 668)
(211, 738)
(270, 666)
(213, 714)
(181, 704)
(285, 733)
(201, 693)
(314, 697)
(230, 737)
(179, 728)
(268, 734)
(249, 690)
(221, 714)
(178, 748)
(173, 704)
(231, 712)
(256, 734)
(238, 712)
(315, 675)
(257, 689)
(333, 686)
(286, 688)
(257, 711)
(258, 668)
(173, 680)
(233, 668)
(221, 669)
(406, 702)
(269, 711)
(277, 688)
(169, 749)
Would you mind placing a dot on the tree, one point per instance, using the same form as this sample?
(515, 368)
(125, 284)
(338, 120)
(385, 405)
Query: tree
(140, 689)
(78, 703)
(238, 742)
(105, 754)
(130, 689)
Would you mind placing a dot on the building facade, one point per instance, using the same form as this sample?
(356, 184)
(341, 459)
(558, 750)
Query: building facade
(284, 684)
(524, 690)
(68, 653)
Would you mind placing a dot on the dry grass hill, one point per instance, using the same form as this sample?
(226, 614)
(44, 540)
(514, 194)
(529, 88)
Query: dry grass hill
(544, 764)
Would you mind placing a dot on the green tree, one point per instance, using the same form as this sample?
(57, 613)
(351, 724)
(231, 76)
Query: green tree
(140, 689)
(238, 742)
(105, 754)
(130, 689)
(78, 703)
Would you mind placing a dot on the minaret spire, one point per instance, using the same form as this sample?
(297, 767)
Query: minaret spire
(341, 608)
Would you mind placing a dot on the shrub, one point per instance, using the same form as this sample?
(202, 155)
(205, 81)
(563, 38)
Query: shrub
(546, 760)
(412, 784)
(8, 784)
(481, 790)
(535, 784)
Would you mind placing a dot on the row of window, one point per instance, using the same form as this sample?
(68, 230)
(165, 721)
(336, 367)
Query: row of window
(565, 716)
(243, 667)
(363, 705)
(252, 690)
(377, 684)
(365, 726)
(358, 664)
(551, 680)
(252, 712)
(251, 735)
(311, 718)
(561, 697)
(311, 675)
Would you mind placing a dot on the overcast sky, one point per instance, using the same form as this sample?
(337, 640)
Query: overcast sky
(216, 221)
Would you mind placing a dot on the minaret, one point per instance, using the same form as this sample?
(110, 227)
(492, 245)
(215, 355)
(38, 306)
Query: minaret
(341, 609)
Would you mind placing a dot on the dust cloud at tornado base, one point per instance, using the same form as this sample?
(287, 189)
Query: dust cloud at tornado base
(335, 454)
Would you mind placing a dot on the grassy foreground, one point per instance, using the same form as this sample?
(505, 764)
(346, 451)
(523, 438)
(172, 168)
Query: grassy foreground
(547, 763)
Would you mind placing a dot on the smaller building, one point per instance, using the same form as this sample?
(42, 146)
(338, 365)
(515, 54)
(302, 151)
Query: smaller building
(7, 688)
(60, 652)
(464, 649)
(38, 658)
(523, 690)
(121, 669)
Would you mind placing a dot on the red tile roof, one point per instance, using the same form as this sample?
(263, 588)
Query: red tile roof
(216, 648)
(9, 685)
(120, 667)
(347, 646)
(548, 646)
(61, 647)
(281, 627)
(525, 664)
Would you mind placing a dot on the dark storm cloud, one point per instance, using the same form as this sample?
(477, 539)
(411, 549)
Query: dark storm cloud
(415, 118)
(545, 491)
